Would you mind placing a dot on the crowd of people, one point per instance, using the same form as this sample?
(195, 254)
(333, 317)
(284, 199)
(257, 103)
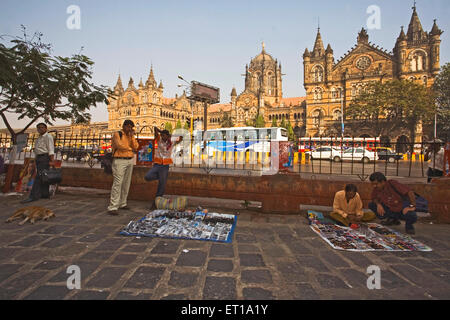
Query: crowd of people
(391, 201)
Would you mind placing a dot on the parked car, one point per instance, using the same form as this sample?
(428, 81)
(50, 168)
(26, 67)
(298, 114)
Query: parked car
(81, 152)
(325, 152)
(389, 155)
(358, 154)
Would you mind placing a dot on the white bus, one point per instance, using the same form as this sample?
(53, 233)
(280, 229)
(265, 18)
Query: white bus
(238, 139)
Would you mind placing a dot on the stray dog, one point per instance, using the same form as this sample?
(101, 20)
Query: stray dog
(32, 213)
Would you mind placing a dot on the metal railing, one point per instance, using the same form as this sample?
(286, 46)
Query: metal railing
(88, 150)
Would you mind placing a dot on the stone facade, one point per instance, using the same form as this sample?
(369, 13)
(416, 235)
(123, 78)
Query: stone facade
(330, 86)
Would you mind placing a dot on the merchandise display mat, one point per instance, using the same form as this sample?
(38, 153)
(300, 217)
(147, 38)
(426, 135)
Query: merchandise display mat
(368, 237)
(216, 227)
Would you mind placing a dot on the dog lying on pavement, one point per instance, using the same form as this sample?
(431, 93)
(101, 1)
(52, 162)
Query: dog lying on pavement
(32, 213)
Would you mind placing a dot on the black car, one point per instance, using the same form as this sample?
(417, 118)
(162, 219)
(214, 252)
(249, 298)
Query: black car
(388, 155)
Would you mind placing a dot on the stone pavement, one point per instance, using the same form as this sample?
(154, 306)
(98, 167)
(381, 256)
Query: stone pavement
(271, 257)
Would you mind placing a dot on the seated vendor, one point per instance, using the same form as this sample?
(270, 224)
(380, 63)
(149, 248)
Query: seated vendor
(347, 207)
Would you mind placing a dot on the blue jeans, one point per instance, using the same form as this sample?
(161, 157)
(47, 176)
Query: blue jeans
(158, 172)
(410, 218)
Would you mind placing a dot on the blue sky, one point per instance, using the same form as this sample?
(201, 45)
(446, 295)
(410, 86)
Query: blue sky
(210, 41)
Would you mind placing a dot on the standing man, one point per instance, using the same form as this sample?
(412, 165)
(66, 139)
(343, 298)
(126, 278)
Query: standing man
(393, 201)
(435, 153)
(162, 161)
(348, 207)
(44, 150)
(124, 146)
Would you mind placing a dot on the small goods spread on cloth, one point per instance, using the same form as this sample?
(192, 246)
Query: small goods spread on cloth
(365, 237)
(195, 225)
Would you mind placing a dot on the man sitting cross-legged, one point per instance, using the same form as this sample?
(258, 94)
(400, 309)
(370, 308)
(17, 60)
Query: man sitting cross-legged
(347, 207)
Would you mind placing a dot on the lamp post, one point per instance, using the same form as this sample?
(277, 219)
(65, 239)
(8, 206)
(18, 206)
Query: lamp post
(342, 111)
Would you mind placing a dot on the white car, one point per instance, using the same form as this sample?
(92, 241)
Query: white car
(325, 152)
(359, 154)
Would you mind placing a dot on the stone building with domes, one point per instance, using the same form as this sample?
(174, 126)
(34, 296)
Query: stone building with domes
(332, 85)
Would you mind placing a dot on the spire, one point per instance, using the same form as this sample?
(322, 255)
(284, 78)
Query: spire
(118, 85)
(329, 50)
(402, 35)
(415, 30)
(435, 30)
(151, 78)
(233, 92)
(306, 53)
(263, 47)
(131, 84)
(160, 85)
(318, 45)
(363, 37)
(141, 85)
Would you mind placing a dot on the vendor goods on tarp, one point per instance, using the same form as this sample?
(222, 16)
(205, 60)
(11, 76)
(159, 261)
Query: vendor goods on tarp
(198, 225)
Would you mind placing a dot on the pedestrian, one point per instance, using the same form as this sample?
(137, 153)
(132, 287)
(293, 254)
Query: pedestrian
(161, 162)
(348, 207)
(392, 201)
(435, 153)
(124, 146)
(44, 151)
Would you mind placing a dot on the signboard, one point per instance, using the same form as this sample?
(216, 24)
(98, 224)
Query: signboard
(145, 152)
(21, 141)
(204, 92)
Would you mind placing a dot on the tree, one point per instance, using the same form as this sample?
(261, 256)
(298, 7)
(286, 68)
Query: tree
(227, 121)
(186, 126)
(441, 88)
(274, 122)
(397, 103)
(178, 125)
(168, 127)
(35, 85)
(259, 122)
(290, 132)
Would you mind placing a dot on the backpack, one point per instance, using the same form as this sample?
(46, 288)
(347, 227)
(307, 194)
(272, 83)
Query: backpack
(106, 162)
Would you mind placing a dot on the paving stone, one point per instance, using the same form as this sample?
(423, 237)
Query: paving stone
(304, 291)
(251, 260)
(57, 242)
(158, 259)
(442, 275)
(86, 269)
(292, 272)
(106, 277)
(221, 251)
(48, 293)
(111, 244)
(166, 247)
(256, 276)
(355, 278)
(329, 281)
(30, 241)
(23, 282)
(49, 265)
(219, 288)
(56, 229)
(389, 280)
(7, 270)
(145, 277)
(91, 295)
(182, 279)
(312, 262)
(274, 251)
(77, 230)
(92, 237)
(245, 238)
(333, 259)
(97, 255)
(422, 264)
(179, 296)
(135, 248)
(132, 296)
(297, 248)
(418, 277)
(358, 258)
(220, 265)
(193, 258)
(124, 259)
(257, 294)
(77, 220)
(248, 248)
(31, 256)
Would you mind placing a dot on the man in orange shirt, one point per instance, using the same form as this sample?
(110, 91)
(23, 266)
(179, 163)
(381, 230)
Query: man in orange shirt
(162, 161)
(124, 146)
(348, 207)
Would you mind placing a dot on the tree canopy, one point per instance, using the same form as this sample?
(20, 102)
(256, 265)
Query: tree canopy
(441, 88)
(36, 85)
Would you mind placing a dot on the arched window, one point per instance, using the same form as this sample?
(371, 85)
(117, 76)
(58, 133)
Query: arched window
(336, 115)
(317, 74)
(418, 61)
(145, 97)
(317, 117)
(335, 93)
(155, 98)
(317, 94)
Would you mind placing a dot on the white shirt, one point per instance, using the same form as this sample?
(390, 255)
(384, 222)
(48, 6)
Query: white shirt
(44, 144)
(437, 161)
